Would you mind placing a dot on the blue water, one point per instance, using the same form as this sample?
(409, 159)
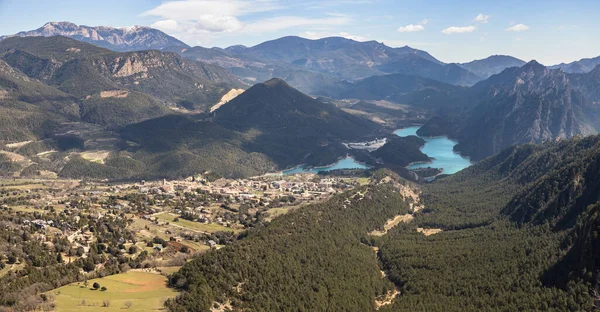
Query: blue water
(346, 163)
(439, 148)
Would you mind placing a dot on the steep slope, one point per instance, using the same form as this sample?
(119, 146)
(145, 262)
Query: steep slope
(85, 70)
(492, 65)
(270, 126)
(30, 109)
(587, 84)
(117, 39)
(290, 123)
(276, 105)
(537, 245)
(520, 105)
(565, 192)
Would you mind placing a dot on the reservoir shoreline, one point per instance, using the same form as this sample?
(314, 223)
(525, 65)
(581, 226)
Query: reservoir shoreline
(441, 151)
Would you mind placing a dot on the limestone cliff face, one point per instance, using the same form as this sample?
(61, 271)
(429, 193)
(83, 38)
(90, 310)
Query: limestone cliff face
(522, 105)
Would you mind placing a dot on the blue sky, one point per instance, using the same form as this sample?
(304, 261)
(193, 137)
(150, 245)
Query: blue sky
(550, 31)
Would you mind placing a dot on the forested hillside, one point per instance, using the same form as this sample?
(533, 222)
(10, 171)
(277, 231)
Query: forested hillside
(508, 224)
(314, 259)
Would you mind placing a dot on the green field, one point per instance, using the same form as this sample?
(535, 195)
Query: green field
(210, 228)
(145, 291)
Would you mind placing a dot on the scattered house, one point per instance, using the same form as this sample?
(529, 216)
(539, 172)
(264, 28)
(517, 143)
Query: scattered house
(212, 244)
(158, 248)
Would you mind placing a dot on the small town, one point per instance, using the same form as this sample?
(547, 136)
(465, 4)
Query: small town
(192, 212)
(99, 229)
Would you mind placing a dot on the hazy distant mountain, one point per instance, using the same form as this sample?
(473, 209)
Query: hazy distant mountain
(582, 66)
(588, 84)
(492, 65)
(520, 105)
(398, 88)
(251, 70)
(312, 53)
(117, 39)
(417, 66)
(305, 64)
(350, 60)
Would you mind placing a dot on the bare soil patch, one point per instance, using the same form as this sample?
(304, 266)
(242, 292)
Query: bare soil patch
(391, 223)
(232, 94)
(428, 232)
(114, 94)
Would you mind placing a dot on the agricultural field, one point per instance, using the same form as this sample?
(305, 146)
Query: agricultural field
(143, 291)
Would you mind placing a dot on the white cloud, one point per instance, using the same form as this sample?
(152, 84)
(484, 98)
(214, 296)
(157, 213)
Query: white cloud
(191, 9)
(285, 22)
(517, 28)
(414, 27)
(198, 21)
(167, 24)
(458, 30)
(411, 28)
(482, 18)
(218, 23)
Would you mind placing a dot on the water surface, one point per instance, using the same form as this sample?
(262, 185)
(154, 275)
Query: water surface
(440, 148)
(346, 163)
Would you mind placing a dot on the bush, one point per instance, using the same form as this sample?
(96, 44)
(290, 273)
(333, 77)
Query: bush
(96, 285)
(132, 250)
(103, 288)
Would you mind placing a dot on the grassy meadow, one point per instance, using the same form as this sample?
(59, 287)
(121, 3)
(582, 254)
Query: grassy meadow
(145, 292)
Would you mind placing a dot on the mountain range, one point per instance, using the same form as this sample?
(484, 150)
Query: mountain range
(582, 66)
(117, 39)
(486, 105)
(133, 81)
(148, 111)
(305, 64)
(524, 104)
(492, 65)
(516, 231)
